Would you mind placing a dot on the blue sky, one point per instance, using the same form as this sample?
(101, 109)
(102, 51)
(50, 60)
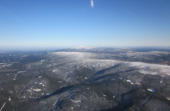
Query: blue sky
(75, 23)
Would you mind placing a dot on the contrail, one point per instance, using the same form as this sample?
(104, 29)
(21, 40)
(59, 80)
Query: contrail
(92, 3)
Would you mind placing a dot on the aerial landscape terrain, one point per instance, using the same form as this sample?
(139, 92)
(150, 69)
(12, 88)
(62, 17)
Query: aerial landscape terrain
(84, 55)
(96, 79)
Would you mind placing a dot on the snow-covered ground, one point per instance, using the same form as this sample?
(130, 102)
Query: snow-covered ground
(89, 59)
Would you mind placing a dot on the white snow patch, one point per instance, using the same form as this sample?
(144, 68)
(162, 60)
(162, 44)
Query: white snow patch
(36, 90)
(151, 90)
(9, 99)
(153, 69)
(168, 98)
(129, 81)
(76, 101)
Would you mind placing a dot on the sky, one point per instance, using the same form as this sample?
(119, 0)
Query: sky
(84, 23)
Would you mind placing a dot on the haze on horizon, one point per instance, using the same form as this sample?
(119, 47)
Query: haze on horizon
(84, 23)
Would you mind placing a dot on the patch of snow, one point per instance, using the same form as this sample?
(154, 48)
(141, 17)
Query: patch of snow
(37, 90)
(168, 98)
(161, 82)
(129, 81)
(39, 77)
(9, 99)
(151, 90)
(19, 72)
(153, 69)
(76, 101)
(72, 108)
(85, 78)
